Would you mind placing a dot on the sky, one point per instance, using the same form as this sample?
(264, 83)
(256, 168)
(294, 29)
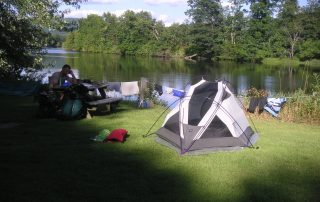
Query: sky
(168, 11)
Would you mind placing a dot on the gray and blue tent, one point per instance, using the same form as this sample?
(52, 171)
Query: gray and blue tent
(208, 118)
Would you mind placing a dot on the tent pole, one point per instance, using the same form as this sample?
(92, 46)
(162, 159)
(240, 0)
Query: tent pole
(147, 134)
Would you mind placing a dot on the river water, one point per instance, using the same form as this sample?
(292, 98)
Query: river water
(178, 73)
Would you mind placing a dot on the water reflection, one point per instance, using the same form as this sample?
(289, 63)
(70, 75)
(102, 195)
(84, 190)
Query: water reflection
(178, 73)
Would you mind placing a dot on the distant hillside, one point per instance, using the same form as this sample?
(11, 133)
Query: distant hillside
(71, 24)
(57, 37)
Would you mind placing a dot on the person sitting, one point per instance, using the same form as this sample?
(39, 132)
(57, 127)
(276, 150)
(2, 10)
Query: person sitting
(61, 78)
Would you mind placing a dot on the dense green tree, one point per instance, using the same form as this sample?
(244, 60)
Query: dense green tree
(174, 39)
(310, 49)
(235, 23)
(206, 27)
(261, 29)
(92, 31)
(135, 31)
(22, 36)
(131, 33)
(310, 16)
(19, 39)
(111, 33)
(90, 36)
(291, 25)
(235, 26)
(69, 43)
(310, 34)
(272, 28)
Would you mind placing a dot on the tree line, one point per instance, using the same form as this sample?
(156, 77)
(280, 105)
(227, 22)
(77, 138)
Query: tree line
(269, 28)
(247, 30)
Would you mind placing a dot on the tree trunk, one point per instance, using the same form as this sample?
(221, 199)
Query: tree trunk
(233, 38)
(293, 41)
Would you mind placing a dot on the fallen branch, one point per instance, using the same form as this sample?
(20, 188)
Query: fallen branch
(190, 57)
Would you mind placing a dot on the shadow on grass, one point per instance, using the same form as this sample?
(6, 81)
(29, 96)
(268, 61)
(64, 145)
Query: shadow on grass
(57, 165)
(283, 184)
(50, 160)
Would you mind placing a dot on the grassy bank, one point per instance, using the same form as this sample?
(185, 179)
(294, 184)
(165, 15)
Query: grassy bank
(291, 62)
(51, 160)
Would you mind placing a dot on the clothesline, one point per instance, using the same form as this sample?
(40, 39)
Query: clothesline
(132, 87)
(135, 91)
(170, 95)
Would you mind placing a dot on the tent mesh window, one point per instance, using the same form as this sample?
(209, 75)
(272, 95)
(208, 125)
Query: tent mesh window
(216, 129)
(201, 101)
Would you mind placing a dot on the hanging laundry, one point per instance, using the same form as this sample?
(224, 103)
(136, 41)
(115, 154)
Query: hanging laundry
(167, 90)
(143, 88)
(114, 86)
(255, 102)
(129, 88)
(168, 97)
(158, 88)
(170, 100)
(143, 84)
(274, 105)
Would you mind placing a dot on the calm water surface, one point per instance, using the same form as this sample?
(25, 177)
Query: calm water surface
(177, 73)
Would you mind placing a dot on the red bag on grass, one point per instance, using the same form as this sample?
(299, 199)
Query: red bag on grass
(117, 135)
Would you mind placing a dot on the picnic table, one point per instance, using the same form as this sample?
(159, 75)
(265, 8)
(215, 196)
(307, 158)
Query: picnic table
(104, 102)
(101, 103)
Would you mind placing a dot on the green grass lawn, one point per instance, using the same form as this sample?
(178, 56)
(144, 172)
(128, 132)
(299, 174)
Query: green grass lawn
(52, 160)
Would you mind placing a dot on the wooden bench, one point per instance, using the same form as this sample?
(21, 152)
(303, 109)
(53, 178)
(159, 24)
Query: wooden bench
(105, 101)
(103, 105)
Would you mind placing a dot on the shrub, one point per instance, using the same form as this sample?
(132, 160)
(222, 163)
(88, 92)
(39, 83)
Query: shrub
(253, 92)
(302, 107)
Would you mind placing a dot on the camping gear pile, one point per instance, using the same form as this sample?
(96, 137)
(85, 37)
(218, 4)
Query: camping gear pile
(260, 102)
(117, 135)
(67, 103)
(145, 93)
(208, 118)
(75, 101)
(271, 105)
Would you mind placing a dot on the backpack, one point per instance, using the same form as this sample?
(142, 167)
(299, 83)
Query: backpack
(72, 109)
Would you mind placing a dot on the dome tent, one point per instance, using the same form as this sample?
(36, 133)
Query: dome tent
(208, 118)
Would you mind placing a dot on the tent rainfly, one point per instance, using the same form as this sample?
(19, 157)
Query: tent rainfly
(209, 118)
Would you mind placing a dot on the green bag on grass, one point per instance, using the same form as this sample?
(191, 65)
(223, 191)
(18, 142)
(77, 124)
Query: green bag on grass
(101, 136)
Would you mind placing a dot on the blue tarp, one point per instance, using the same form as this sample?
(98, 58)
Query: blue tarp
(170, 100)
